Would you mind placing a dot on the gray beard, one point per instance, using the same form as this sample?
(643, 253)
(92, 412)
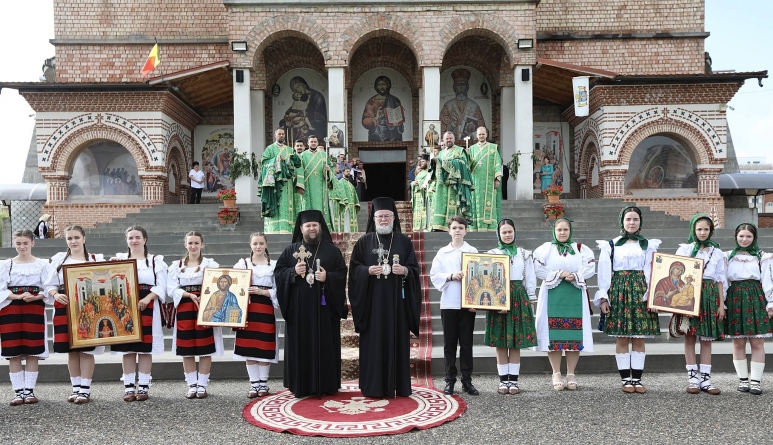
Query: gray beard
(384, 230)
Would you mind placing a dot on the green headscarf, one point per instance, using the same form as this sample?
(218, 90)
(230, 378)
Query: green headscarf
(625, 236)
(563, 248)
(697, 244)
(753, 249)
(510, 249)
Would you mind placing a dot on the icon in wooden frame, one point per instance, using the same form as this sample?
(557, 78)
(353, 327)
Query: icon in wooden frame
(675, 284)
(224, 297)
(485, 281)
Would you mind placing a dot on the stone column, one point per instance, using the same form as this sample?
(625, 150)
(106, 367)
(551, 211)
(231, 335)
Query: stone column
(153, 187)
(246, 188)
(583, 182)
(614, 181)
(507, 142)
(524, 131)
(336, 92)
(708, 180)
(182, 195)
(57, 188)
(258, 112)
(431, 94)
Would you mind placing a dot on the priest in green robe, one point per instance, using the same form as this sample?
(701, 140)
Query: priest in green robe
(419, 195)
(318, 178)
(453, 186)
(281, 174)
(299, 202)
(345, 203)
(486, 177)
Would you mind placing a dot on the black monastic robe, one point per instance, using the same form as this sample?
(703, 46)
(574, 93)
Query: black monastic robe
(384, 312)
(312, 331)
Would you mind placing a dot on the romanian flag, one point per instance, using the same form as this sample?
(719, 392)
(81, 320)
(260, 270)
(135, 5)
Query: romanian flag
(152, 62)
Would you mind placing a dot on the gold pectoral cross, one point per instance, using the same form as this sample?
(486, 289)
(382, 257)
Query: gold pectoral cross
(302, 254)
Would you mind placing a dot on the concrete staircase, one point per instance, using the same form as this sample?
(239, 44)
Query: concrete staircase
(593, 219)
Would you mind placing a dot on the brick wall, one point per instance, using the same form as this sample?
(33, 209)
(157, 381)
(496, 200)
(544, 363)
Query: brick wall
(629, 56)
(88, 215)
(619, 16)
(765, 220)
(122, 19)
(707, 93)
(685, 208)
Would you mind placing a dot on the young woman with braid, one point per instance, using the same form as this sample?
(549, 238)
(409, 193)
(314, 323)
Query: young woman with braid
(749, 305)
(152, 272)
(23, 316)
(184, 280)
(624, 270)
(257, 343)
(708, 326)
(80, 362)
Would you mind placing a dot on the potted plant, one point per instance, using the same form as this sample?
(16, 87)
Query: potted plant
(552, 193)
(228, 197)
(553, 211)
(227, 216)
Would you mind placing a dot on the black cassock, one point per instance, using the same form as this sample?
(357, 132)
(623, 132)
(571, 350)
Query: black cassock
(309, 325)
(383, 317)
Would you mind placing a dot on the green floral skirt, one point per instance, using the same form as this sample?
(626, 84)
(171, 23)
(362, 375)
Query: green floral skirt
(515, 329)
(746, 314)
(628, 315)
(705, 325)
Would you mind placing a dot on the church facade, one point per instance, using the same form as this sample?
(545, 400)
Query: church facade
(381, 80)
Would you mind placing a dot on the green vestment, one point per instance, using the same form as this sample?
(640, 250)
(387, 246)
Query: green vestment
(419, 201)
(453, 187)
(281, 171)
(346, 206)
(486, 200)
(318, 182)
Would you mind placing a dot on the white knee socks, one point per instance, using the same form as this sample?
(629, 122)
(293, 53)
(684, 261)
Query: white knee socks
(757, 368)
(254, 372)
(513, 371)
(17, 380)
(191, 378)
(30, 378)
(263, 373)
(741, 369)
(624, 366)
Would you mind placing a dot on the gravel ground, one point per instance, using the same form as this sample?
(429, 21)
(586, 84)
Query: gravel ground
(598, 413)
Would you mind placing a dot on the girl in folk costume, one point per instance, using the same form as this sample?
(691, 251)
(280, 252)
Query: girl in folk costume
(80, 362)
(257, 343)
(749, 305)
(624, 270)
(152, 273)
(184, 280)
(512, 330)
(23, 316)
(708, 326)
(563, 310)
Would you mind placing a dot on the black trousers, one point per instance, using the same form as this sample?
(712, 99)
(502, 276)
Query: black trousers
(458, 326)
(195, 195)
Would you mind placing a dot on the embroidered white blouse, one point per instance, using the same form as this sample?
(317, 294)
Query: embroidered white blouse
(522, 268)
(191, 276)
(629, 256)
(746, 267)
(713, 262)
(447, 262)
(56, 279)
(262, 275)
(23, 274)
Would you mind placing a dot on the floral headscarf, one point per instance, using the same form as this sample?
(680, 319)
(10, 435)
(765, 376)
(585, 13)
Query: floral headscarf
(753, 249)
(625, 236)
(698, 244)
(565, 247)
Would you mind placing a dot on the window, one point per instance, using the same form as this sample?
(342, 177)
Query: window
(105, 168)
(660, 162)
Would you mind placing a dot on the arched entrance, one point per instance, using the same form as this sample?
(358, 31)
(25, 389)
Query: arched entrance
(661, 162)
(104, 168)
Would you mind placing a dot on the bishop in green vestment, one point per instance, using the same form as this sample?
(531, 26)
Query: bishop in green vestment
(281, 173)
(419, 195)
(486, 178)
(453, 185)
(318, 177)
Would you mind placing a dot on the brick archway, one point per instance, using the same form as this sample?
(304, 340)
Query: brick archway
(70, 147)
(379, 25)
(589, 148)
(176, 166)
(275, 28)
(680, 131)
(477, 24)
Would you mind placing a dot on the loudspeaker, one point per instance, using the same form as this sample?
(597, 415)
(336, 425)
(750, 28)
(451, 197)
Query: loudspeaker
(240, 76)
(525, 74)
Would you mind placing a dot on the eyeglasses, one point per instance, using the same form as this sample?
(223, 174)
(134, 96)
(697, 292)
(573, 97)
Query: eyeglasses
(390, 216)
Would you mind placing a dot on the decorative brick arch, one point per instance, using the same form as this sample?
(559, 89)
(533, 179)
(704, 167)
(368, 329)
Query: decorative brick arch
(73, 144)
(483, 25)
(380, 25)
(590, 148)
(277, 27)
(688, 136)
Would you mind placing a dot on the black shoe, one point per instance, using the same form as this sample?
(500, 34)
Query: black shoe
(449, 389)
(470, 389)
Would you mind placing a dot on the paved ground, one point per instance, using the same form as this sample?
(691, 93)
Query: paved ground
(598, 413)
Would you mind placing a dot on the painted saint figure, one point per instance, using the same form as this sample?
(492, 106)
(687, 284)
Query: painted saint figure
(223, 305)
(461, 112)
(376, 116)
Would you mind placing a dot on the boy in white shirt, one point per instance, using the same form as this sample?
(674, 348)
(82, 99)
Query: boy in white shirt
(458, 324)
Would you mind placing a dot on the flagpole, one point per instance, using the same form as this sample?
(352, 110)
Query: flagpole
(159, 60)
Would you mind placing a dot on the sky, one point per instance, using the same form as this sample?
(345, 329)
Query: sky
(739, 40)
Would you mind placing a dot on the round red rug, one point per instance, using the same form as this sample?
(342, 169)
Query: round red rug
(349, 414)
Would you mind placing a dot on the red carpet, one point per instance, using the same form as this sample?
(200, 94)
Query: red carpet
(349, 414)
(421, 348)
